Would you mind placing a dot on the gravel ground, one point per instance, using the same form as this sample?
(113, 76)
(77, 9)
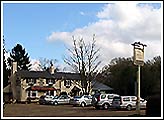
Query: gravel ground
(36, 110)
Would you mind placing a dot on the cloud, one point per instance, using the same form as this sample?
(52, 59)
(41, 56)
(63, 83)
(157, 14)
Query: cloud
(119, 26)
(82, 13)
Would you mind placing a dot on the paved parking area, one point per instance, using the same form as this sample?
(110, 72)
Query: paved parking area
(36, 110)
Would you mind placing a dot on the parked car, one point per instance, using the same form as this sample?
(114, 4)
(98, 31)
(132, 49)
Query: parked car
(45, 99)
(127, 102)
(84, 100)
(102, 100)
(62, 99)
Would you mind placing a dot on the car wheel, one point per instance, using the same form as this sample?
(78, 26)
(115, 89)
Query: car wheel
(106, 106)
(129, 107)
(97, 107)
(55, 103)
(83, 104)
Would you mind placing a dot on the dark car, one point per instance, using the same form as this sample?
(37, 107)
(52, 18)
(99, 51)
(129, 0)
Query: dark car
(45, 99)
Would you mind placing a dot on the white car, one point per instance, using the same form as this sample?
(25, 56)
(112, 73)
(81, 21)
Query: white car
(84, 100)
(62, 99)
(127, 102)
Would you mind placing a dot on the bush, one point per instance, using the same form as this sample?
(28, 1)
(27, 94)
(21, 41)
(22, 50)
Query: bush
(153, 106)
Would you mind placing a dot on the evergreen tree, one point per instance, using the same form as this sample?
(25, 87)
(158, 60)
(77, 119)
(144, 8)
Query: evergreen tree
(121, 74)
(5, 70)
(19, 55)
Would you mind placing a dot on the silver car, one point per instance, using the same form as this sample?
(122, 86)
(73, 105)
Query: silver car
(103, 101)
(127, 102)
(62, 99)
(84, 100)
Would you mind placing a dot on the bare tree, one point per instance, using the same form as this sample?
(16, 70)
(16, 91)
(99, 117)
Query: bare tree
(83, 59)
(46, 63)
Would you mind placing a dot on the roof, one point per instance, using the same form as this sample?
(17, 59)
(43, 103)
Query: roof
(34, 74)
(48, 75)
(68, 76)
(100, 86)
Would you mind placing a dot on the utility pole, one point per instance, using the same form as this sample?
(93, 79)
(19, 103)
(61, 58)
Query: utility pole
(139, 61)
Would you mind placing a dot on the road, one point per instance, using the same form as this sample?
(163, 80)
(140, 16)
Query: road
(36, 110)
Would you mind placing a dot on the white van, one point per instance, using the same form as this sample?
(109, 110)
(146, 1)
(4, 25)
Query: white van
(127, 102)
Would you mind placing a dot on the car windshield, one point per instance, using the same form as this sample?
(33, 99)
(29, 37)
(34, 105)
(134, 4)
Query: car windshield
(55, 97)
(116, 99)
(77, 96)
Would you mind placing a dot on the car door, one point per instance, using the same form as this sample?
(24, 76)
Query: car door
(133, 101)
(90, 100)
(142, 103)
(61, 100)
(86, 99)
(66, 99)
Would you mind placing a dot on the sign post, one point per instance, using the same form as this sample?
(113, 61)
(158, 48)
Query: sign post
(138, 59)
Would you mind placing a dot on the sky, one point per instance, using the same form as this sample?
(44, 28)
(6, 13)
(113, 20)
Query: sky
(45, 29)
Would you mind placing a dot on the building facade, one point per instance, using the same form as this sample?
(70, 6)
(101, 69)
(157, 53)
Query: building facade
(30, 85)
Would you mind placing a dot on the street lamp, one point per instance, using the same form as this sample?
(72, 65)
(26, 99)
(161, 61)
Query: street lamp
(138, 59)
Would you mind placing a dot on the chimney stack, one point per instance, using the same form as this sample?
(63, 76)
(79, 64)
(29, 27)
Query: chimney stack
(52, 68)
(14, 67)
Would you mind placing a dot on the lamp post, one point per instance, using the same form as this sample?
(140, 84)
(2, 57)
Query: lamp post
(138, 59)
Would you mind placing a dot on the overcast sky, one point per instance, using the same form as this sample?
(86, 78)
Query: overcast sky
(46, 29)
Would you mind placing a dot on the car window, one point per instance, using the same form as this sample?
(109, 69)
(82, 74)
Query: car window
(77, 96)
(41, 96)
(117, 99)
(48, 97)
(103, 96)
(85, 96)
(134, 98)
(126, 99)
(90, 97)
(63, 97)
(55, 97)
(110, 96)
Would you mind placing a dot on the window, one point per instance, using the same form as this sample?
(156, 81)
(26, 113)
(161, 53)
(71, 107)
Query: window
(50, 93)
(85, 96)
(31, 81)
(67, 83)
(50, 82)
(32, 94)
(41, 82)
(103, 96)
(63, 97)
(110, 96)
(134, 98)
(126, 99)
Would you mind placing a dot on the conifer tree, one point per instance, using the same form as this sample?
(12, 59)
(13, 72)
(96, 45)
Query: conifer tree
(5, 70)
(19, 55)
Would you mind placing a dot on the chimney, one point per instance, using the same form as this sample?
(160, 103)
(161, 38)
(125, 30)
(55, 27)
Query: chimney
(52, 69)
(14, 67)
